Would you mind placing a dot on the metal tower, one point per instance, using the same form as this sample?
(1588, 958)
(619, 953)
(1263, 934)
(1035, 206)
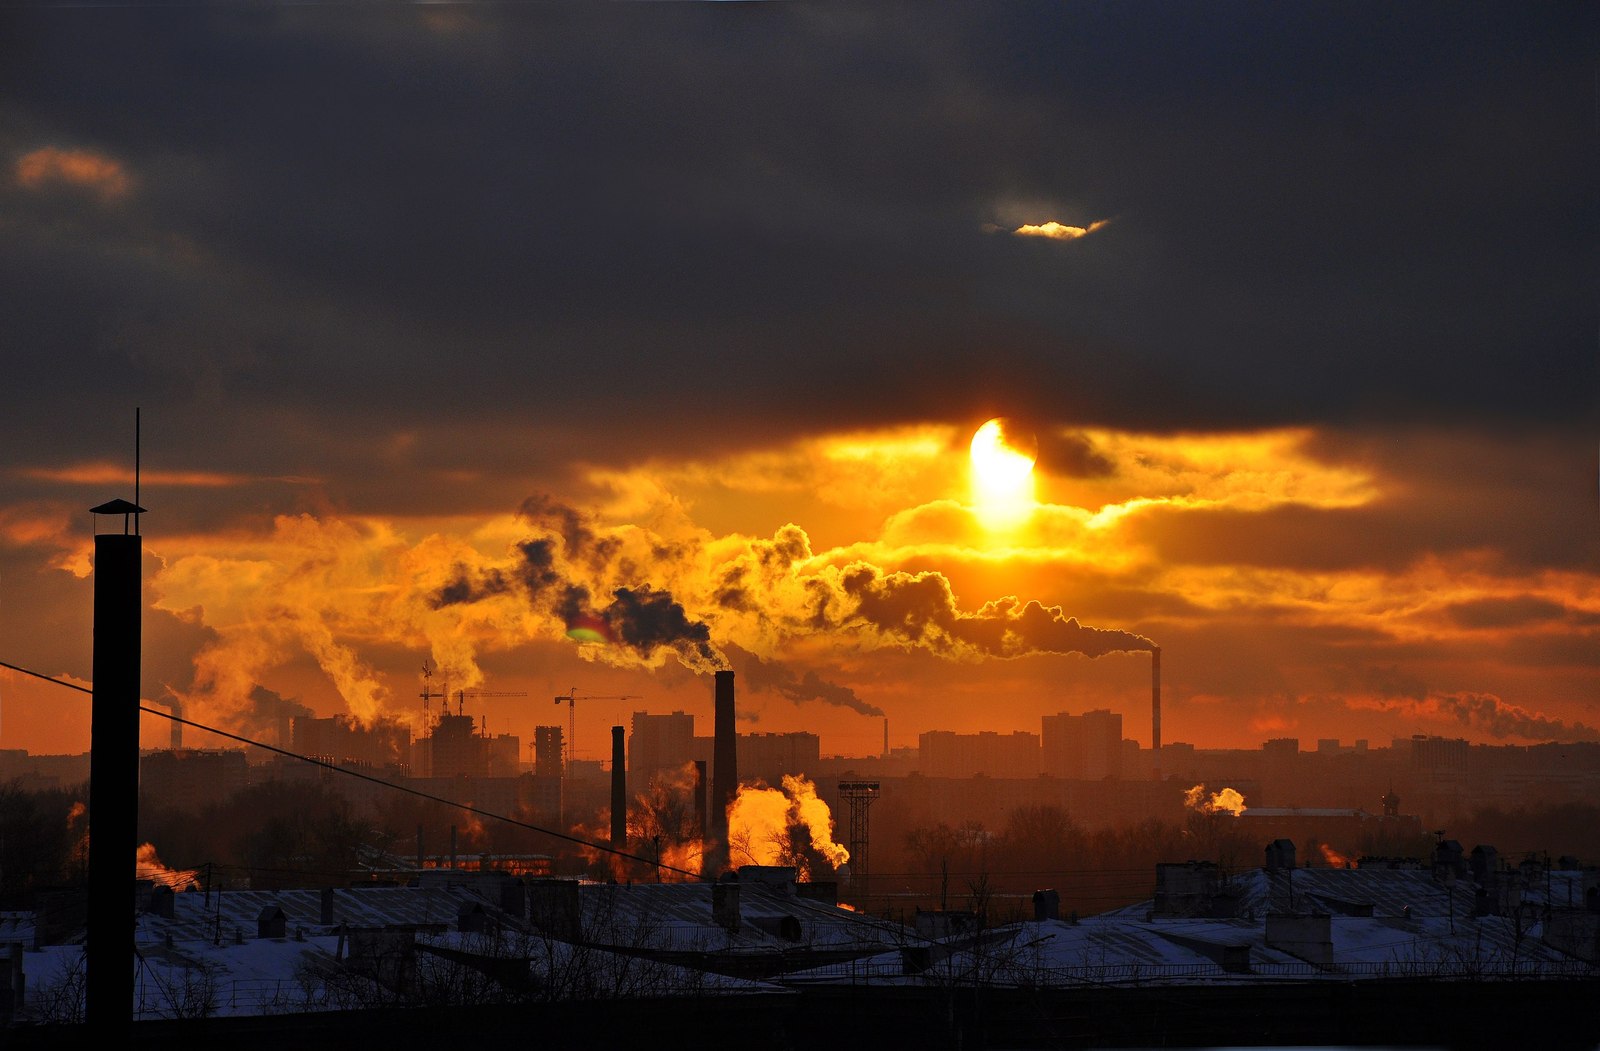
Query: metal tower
(860, 795)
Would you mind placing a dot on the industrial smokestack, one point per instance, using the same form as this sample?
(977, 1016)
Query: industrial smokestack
(724, 757)
(700, 797)
(176, 741)
(886, 737)
(619, 790)
(114, 769)
(1155, 709)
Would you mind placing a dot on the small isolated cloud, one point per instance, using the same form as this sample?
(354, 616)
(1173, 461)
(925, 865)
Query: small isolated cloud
(1058, 231)
(50, 167)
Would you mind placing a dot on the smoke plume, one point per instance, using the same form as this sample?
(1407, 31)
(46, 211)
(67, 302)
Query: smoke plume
(1483, 711)
(148, 866)
(789, 827)
(625, 595)
(919, 609)
(1227, 801)
(756, 594)
(772, 676)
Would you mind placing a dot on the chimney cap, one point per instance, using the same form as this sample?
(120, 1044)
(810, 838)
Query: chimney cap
(118, 506)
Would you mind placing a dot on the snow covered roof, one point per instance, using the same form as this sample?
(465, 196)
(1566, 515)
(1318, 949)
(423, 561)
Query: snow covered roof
(771, 918)
(1339, 924)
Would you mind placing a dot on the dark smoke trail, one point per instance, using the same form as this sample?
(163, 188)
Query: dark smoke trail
(774, 677)
(920, 609)
(1489, 713)
(647, 619)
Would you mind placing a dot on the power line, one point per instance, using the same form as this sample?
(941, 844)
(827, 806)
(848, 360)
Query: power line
(380, 781)
(47, 678)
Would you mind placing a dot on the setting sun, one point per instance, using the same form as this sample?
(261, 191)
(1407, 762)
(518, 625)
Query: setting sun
(1002, 472)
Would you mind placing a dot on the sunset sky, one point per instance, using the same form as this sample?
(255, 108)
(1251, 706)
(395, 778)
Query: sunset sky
(457, 327)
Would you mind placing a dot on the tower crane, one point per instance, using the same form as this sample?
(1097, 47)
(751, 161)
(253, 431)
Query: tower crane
(462, 695)
(572, 697)
(428, 694)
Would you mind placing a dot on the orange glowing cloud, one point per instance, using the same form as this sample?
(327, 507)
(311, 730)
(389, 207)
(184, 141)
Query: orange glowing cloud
(103, 473)
(684, 563)
(1057, 231)
(86, 170)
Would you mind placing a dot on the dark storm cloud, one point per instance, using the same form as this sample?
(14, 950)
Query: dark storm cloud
(1320, 213)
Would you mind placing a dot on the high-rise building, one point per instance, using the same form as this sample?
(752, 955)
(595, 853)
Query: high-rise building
(342, 740)
(504, 755)
(657, 743)
(547, 751)
(769, 757)
(191, 778)
(1085, 747)
(454, 748)
(1435, 757)
(944, 753)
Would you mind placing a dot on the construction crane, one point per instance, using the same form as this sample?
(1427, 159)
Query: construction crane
(428, 694)
(462, 695)
(572, 697)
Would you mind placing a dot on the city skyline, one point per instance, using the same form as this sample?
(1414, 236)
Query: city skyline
(500, 340)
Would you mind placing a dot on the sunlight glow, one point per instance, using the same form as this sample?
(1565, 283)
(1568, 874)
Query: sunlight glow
(1002, 473)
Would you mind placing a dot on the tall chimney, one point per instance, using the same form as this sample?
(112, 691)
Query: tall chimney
(1155, 709)
(619, 790)
(700, 797)
(114, 770)
(724, 757)
(176, 741)
(886, 737)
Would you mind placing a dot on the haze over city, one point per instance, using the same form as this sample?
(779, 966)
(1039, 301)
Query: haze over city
(597, 351)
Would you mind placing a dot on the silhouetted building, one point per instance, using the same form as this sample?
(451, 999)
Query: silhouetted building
(504, 755)
(455, 748)
(542, 796)
(343, 741)
(1439, 757)
(190, 778)
(769, 757)
(1085, 747)
(945, 753)
(547, 751)
(657, 743)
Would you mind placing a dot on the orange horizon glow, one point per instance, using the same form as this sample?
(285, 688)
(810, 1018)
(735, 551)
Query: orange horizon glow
(769, 549)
